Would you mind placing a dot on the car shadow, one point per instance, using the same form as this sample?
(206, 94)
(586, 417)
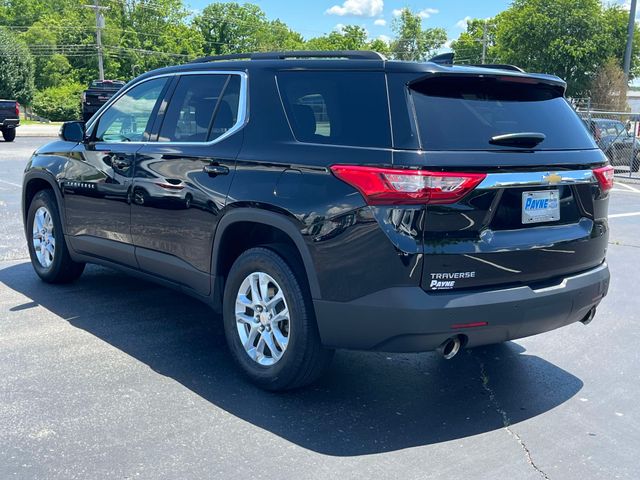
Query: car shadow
(367, 403)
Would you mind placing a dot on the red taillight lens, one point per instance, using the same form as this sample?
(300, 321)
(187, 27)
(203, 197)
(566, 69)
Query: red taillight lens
(605, 177)
(392, 186)
(17, 110)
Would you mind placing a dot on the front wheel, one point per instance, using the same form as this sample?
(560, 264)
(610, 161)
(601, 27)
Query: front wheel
(47, 247)
(270, 324)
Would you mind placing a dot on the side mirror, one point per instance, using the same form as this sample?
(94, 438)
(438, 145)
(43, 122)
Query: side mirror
(72, 132)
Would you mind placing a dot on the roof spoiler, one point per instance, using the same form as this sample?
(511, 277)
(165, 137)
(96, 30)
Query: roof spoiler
(509, 76)
(443, 59)
(498, 66)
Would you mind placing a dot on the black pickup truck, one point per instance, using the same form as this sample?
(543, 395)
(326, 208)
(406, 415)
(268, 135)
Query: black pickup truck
(97, 95)
(9, 119)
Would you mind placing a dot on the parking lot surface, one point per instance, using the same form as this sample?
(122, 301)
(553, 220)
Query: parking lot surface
(114, 377)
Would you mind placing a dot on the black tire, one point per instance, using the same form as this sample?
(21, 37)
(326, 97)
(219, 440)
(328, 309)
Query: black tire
(636, 163)
(304, 359)
(62, 269)
(9, 134)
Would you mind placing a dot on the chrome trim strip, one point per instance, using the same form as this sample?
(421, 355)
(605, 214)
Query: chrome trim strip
(536, 179)
(242, 108)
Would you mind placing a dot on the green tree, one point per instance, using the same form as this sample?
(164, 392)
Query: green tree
(349, 37)
(412, 42)
(230, 27)
(59, 103)
(16, 69)
(276, 35)
(568, 38)
(608, 89)
(468, 47)
(380, 46)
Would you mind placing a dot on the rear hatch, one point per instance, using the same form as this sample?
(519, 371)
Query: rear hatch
(535, 211)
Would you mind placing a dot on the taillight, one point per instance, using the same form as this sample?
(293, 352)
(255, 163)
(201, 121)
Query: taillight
(398, 186)
(17, 110)
(605, 177)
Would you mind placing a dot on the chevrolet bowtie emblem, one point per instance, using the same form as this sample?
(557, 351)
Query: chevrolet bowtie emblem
(552, 179)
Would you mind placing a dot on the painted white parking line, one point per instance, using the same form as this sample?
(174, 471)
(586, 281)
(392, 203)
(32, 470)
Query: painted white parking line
(630, 214)
(623, 190)
(628, 187)
(11, 183)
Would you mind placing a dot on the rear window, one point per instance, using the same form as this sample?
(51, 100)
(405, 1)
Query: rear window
(458, 113)
(339, 108)
(106, 84)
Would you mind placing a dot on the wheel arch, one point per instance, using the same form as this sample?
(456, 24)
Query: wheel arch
(34, 182)
(256, 218)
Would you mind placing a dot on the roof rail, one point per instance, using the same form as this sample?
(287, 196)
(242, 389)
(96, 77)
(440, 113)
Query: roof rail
(499, 66)
(349, 54)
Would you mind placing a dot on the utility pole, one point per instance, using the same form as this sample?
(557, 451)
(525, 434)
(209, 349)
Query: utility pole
(97, 8)
(484, 42)
(627, 51)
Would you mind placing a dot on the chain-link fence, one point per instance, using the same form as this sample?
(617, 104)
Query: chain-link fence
(617, 134)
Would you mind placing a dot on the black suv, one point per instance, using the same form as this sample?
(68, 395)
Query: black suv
(337, 202)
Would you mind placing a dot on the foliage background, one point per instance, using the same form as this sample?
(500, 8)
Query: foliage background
(49, 46)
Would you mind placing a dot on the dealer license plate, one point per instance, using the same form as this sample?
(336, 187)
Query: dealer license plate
(540, 206)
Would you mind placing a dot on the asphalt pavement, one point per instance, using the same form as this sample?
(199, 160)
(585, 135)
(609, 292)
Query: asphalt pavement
(114, 377)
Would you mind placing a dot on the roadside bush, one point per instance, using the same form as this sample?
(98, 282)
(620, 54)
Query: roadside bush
(59, 103)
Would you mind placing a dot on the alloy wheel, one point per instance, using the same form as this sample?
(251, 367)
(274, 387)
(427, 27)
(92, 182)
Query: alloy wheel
(44, 241)
(262, 318)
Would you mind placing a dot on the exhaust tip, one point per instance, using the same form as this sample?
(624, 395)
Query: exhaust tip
(589, 317)
(449, 348)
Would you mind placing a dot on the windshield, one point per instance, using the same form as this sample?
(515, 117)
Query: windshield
(465, 113)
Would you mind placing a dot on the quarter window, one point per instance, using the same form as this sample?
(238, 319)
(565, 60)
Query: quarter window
(128, 118)
(339, 108)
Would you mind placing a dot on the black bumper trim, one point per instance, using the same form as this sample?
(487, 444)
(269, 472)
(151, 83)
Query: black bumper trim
(408, 319)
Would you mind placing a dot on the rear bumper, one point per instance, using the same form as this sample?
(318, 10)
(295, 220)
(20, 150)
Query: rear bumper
(408, 319)
(10, 123)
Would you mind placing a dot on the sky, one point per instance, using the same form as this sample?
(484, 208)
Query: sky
(314, 18)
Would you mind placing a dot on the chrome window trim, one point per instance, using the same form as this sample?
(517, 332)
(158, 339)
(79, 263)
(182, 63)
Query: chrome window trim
(242, 107)
(536, 179)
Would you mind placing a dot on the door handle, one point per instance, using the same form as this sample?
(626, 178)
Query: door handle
(213, 170)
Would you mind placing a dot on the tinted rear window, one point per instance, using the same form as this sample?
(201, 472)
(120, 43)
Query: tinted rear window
(458, 113)
(107, 84)
(339, 108)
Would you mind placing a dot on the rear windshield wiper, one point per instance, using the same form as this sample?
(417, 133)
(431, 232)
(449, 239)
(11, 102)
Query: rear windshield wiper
(522, 139)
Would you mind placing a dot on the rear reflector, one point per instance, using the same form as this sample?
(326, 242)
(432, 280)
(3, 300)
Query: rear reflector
(469, 325)
(605, 177)
(390, 186)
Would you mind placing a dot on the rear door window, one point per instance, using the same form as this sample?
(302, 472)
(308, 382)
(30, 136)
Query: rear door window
(226, 114)
(189, 116)
(465, 112)
(339, 108)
